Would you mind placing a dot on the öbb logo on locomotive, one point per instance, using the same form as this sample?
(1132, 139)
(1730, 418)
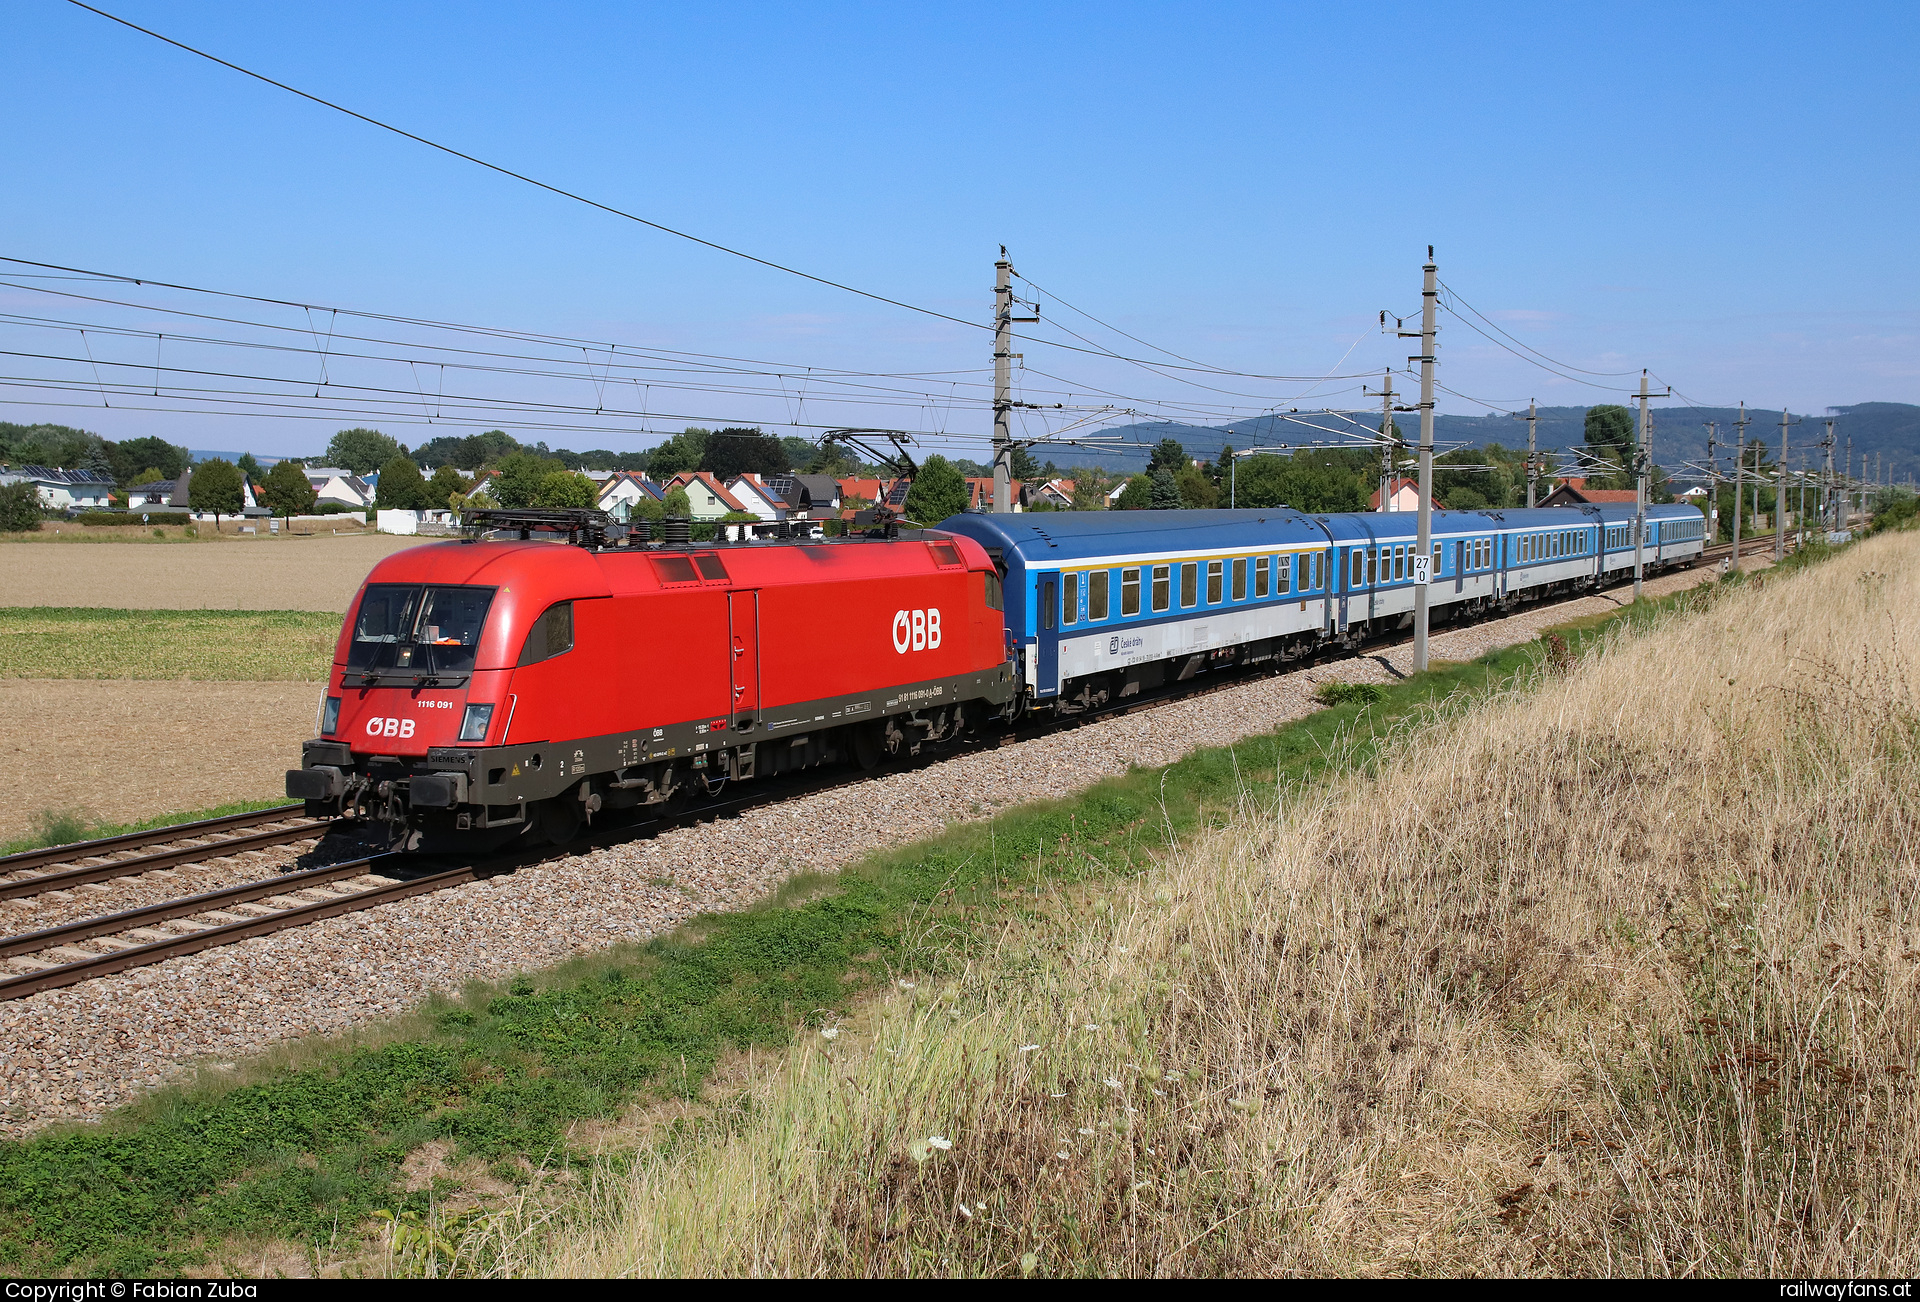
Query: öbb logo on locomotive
(916, 630)
(387, 726)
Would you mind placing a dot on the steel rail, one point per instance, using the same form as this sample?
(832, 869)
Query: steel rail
(111, 923)
(66, 974)
(152, 836)
(112, 868)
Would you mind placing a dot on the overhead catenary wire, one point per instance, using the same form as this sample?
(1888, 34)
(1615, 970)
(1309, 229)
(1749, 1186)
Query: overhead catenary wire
(522, 177)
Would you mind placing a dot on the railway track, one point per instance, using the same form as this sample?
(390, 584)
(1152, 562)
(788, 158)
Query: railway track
(34, 872)
(101, 946)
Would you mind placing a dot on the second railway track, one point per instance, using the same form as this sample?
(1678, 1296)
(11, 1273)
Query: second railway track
(35, 872)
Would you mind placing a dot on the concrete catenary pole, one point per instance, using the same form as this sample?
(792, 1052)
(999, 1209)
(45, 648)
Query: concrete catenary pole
(1386, 441)
(1429, 303)
(1533, 450)
(1002, 384)
(1739, 478)
(1780, 495)
(1713, 483)
(1641, 462)
(1826, 482)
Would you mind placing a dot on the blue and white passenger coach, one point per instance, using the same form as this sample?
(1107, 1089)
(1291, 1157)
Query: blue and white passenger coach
(1104, 605)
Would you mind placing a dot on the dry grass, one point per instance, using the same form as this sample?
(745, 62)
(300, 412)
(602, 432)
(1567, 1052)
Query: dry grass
(310, 573)
(223, 645)
(1614, 973)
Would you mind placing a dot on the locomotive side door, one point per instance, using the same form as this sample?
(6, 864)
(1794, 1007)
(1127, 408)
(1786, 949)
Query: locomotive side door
(743, 653)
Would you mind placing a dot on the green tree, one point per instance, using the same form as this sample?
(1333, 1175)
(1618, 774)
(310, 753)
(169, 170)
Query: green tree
(1021, 464)
(19, 508)
(1167, 455)
(1136, 496)
(148, 476)
(362, 451)
(680, 453)
(214, 490)
(519, 478)
(247, 466)
(447, 484)
(566, 490)
(799, 451)
(401, 488)
(1197, 491)
(136, 455)
(731, 452)
(678, 504)
(285, 491)
(1609, 428)
(938, 491)
(1163, 491)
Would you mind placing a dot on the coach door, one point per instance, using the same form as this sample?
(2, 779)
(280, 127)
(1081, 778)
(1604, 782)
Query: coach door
(743, 637)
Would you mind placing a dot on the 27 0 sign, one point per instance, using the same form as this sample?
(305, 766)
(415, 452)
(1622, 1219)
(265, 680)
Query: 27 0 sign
(916, 630)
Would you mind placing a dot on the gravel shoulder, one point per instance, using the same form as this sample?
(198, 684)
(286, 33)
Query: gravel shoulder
(75, 1052)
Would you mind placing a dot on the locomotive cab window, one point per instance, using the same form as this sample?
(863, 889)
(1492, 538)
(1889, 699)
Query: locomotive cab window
(1097, 596)
(1129, 592)
(551, 635)
(1069, 598)
(408, 629)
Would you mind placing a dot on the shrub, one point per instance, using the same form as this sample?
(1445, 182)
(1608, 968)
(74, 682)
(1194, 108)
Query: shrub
(107, 518)
(19, 508)
(1337, 693)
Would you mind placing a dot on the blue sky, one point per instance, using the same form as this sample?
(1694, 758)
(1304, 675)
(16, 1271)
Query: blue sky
(1722, 193)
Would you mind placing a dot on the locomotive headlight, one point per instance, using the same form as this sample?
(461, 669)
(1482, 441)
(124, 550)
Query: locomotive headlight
(330, 716)
(473, 726)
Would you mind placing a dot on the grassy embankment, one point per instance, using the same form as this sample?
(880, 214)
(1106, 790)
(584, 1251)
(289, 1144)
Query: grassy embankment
(1611, 973)
(301, 1147)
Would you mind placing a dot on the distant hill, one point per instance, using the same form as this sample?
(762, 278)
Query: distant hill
(1891, 429)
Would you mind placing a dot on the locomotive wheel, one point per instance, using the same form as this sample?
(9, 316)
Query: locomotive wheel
(868, 748)
(560, 819)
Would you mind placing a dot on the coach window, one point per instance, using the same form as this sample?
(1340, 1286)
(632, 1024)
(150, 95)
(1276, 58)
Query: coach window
(1373, 568)
(1129, 592)
(1189, 583)
(1215, 574)
(1069, 598)
(1046, 603)
(1096, 596)
(1315, 577)
(1358, 577)
(551, 635)
(1162, 585)
(1399, 563)
(1260, 577)
(1240, 579)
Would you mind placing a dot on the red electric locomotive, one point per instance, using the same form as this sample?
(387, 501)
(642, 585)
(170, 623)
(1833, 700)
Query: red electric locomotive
(482, 690)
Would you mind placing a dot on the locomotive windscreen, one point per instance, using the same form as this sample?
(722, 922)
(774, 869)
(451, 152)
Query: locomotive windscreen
(410, 629)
